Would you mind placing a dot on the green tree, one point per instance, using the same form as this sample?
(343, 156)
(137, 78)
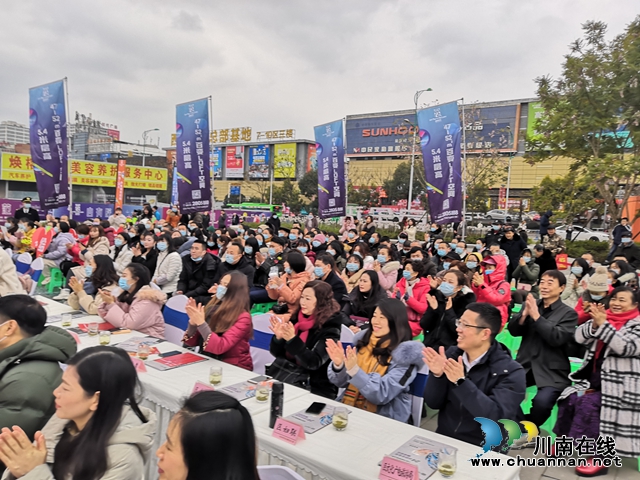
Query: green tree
(289, 194)
(573, 194)
(397, 187)
(592, 112)
(308, 184)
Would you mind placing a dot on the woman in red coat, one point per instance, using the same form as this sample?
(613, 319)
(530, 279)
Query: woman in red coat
(412, 289)
(223, 328)
(491, 287)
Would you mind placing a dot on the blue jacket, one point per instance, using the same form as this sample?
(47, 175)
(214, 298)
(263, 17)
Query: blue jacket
(57, 250)
(494, 389)
(387, 391)
(618, 231)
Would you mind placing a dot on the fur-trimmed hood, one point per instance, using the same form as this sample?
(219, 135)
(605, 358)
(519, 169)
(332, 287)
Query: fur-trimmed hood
(392, 266)
(405, 354)
(148, 293)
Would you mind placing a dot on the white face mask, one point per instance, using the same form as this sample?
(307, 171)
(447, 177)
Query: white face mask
(6, 336)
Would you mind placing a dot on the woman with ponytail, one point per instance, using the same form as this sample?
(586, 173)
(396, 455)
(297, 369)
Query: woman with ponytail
(98, 431)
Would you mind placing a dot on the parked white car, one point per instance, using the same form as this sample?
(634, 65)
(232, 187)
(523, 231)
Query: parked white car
(582, 233)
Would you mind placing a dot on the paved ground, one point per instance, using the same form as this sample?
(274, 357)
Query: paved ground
(628, 471)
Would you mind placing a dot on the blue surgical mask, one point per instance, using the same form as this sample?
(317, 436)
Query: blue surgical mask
(259, 243)
(353, 267)
(183, 233)
(489, 272)
(472, 265)
(615, 270)
(281, 234)
(372, 240)
(453, 244)
(81, 237)
(446, 265)
(292, 236)
(318, 272)
(459, 250)
(358, 254)
(8, 225)
(351, 235)
(220, 246)
(27, 206)
(56, 229)
(625, 239)
(382, 259)
(117, 242)
(479, 246)
(228, 258)
(174, 210)
(88, 270)
(576, 270)
(272, 252)
(407, 274)
(596, 297)
(433, 229)
(267, 236)
(191, 227)
(197, 259)
(496, 227)
(447, 289)
(316, 243)
(303, 250)
(122, 283)
(22, 227)
(220, 291)
(527, 259)
(248, 250)
(331, 252)
(211, 244)
(246, 237)
(442, 253)
(288, 271)
(162, 246)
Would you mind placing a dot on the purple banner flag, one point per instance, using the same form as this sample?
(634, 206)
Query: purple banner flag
(192, 156)
(332, 188)
(48, 138)
(440, 143)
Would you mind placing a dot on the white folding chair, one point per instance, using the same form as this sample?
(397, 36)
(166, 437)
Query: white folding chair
(176, 319)
(260, 342)
(416, 390)
(35, 272)
(277, 472)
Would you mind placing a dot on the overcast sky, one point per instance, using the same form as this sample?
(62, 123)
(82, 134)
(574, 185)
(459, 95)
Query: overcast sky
(275, 64)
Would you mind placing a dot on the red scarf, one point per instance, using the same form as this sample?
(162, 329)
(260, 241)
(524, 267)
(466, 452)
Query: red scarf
(303, 326)
(617, 321)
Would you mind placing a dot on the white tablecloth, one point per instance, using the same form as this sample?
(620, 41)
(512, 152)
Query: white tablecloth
(327, 454)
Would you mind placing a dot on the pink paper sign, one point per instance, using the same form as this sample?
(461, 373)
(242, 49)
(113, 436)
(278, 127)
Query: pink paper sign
(288, 431)
(139, 364)
(392, 469)
(201, 387)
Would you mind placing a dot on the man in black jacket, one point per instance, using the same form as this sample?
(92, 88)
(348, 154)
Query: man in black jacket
(629, 250)
(616, 236)
(27, 211)
(198, 271)
(513, 246)
(546, 326)
(476, 378)
(235, 261)
(324, 270)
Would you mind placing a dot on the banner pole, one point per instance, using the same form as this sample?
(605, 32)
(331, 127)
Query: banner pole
(66, 99)
(346, 166)
(212, 170)
(464, 174)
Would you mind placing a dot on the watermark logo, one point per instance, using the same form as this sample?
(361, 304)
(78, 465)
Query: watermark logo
(494, 438)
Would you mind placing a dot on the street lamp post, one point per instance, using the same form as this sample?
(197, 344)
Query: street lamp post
(413, 147)
(506, 205)
(144, 142)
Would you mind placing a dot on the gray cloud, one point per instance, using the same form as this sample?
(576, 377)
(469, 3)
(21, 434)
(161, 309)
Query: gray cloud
(284, 64)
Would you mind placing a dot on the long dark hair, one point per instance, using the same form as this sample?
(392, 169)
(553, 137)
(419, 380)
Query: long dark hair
(93, 241)
(107, 370)
(399, 331)
(222, 314)
(369, 300)
(105, 273)
(215, 425)
(166, 237)
(326, 305)
(142, 277)
(127, 239)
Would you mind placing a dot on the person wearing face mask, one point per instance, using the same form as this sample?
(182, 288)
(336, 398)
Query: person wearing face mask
(318, 244)
(377, 371)
(473, 261)
(325, 270)
(623, 228)
(336, 250)
(304, 247)
(412, 290)
(27, 211)
(117, 219)
(623, 274)
(146, 252)
(168, 265)
(448, 258)
(138, 307)
(363, 301)
(445, 304)
(97, 244)
(99, 274)
(287, 288)
(491, 287)
(347, 225)
(251, 249)
(442, 250)
(495, 233)
(352, 272)
(435, 229)
(26, 229)
(512, 245)
(274, 258)
(597, 292)
(629, 250)
(527, 273)
(351, 237)
(367, 227)
(410, 229)
(223, 327)
(31, 354)
(374, 243)
(121, 254)
(57, 251)
(198, 272)
(234, 261)
(576, 282)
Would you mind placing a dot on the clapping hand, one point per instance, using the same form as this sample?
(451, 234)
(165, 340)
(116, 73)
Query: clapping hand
(336, 353)
(351, 359)
(532, 308)
(213, 289)
(433, 283)
(454, 369)
(19, 455)
(432, 301)
(478, 279)
(434, 360)
(75, 285)
(106, 295)
(598, 314)
(195, 311)
(135, 249)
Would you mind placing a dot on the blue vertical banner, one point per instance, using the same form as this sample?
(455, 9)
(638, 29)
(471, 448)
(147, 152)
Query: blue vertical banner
(439, 131)
(48, 138)
(192, 156)
(332, 188)
(174, 187)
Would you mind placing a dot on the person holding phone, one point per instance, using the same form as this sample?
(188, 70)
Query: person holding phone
(100, 275)
(363, 301)
(377, 371)
(287, 288)
(223, 327)
(527, 273)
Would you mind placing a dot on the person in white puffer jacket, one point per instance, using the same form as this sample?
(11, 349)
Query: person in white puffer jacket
(168, 266)
(121, 253)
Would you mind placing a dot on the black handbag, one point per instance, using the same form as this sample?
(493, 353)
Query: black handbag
(280, 308)
(288, 372)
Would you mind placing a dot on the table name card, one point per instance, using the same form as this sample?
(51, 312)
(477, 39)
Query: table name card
(201, 387)
(139, 364)
(288, 431)
(393, 469)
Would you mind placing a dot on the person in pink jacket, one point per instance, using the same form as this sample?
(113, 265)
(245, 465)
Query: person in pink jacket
(223, 327)
(138, 307)
(387, 268)
(287, 288)
(491, 287)
(412, 290)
